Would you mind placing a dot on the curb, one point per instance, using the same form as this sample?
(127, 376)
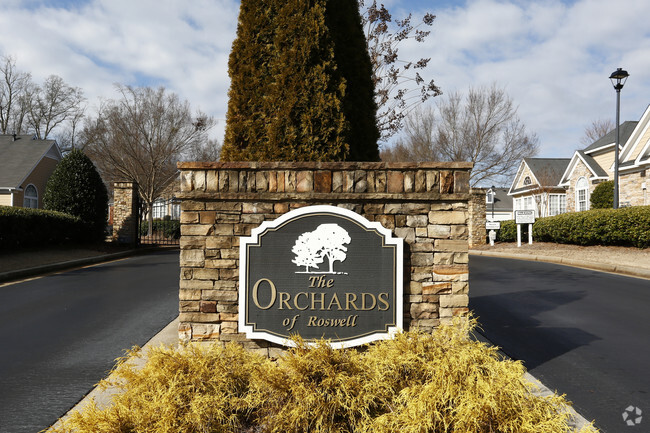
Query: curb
(629, 271)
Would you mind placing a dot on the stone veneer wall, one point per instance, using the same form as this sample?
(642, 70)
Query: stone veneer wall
(633, 188)
(477, 217)
(425, 204)
(125, 218)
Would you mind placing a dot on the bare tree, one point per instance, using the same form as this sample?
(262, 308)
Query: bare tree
(141, 136)
(68, 139)
(418, 142)
(51, 105)
(399, 87)
(209, 150)
(596, 130)
(14, 86)
(482, 127)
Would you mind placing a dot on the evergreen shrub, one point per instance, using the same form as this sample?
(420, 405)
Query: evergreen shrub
(24, 227)
(623, 227)
(415, 382)
(76, 188)
(170, 229)
(609, 227)
(603, 196)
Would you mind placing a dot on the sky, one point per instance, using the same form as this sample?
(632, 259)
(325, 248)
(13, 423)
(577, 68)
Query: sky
(552, 57)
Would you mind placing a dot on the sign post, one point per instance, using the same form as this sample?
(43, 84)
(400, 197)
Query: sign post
(525, 217)
(321, 272)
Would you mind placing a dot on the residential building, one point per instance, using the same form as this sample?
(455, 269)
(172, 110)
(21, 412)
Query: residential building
(536, 186)
(595, 164)
(502, 209)
(25, 167)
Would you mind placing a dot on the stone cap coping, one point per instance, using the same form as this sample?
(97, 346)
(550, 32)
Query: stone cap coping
(257, 165)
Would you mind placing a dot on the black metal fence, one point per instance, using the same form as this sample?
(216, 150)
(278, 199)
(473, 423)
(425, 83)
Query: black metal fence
(164, 227)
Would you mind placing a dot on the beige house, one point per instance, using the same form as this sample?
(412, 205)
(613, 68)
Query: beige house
(535, 186)
(595, 164)
(25, 166)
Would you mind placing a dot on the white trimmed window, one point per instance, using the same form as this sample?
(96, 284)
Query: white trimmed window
(557, 204)
(159, 209)
(528, 203)
(527, 181)
(30, 198)
(582, 194)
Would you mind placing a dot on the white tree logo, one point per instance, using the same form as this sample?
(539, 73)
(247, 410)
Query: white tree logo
(327, 241)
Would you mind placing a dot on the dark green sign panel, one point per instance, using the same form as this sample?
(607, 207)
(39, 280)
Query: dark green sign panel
(320, 272)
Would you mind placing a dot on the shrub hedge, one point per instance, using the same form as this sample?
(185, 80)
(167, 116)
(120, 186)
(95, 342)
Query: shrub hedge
(171, 229)
(23, 227)
(622, 227)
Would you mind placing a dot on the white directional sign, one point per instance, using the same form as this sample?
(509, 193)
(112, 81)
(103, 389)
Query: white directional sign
(492, 225)
(524, 216)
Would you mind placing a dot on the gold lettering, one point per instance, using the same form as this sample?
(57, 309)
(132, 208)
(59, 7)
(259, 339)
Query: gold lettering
(383, 298)
(321, 301)
(284, 300)
(363, 301)
(312, 281)
(330, 283)
(312, 321)
(350, 299)
(295, 301)
(255, 292)
(335, 299)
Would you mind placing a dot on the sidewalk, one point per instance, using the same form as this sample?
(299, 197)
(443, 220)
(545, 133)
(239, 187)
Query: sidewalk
(627, 261)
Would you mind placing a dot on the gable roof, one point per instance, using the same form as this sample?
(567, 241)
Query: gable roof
(19, 157)
(609, 139)
(580, 155)
(636, 151)
(547, 172)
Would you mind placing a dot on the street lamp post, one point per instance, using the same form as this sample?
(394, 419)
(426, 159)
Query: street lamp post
(618, 78)
(494, 193)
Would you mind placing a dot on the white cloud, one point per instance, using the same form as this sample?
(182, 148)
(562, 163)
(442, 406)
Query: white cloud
(95, 44)
(552, 56)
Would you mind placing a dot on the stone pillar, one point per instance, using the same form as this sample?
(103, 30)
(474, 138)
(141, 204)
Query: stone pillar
(477, 217)
(125, 213)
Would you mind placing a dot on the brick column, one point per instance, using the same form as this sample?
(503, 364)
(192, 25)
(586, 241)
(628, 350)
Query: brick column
(125, 213)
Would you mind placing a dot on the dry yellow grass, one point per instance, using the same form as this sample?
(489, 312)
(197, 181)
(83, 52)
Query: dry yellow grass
(424, 383)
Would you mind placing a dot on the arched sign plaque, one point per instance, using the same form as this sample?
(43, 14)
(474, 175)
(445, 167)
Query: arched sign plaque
(321, 272)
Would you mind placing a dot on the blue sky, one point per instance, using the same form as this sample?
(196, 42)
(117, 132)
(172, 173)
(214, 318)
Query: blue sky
(553, 57)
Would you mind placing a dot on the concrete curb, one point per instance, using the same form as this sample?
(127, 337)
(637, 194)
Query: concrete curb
(603, 267)
(168, 336)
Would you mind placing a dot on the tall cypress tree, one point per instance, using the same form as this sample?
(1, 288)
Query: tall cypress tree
(353, 61)
(301, 85)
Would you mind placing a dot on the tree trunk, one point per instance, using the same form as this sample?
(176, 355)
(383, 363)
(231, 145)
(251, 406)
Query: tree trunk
(150, 218)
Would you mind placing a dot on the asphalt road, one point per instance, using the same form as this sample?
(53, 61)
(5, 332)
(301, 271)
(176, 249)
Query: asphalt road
(583, 333)
(60, 334)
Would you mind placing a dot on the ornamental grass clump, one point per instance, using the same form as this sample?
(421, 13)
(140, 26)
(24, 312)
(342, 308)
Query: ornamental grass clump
(444, 382)
(192, 389)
